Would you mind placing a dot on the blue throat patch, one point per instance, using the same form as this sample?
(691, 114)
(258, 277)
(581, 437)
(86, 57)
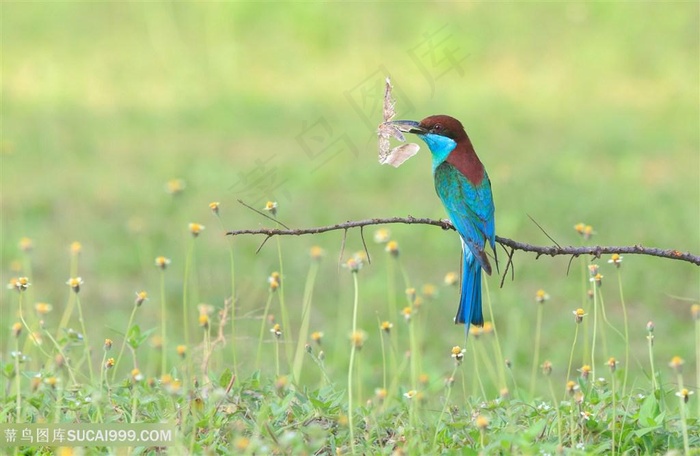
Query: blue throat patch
(440, 147)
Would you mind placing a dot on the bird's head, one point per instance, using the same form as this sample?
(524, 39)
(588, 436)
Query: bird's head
(440, 132)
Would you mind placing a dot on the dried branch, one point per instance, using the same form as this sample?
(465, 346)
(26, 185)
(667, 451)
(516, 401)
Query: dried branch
(553, 250)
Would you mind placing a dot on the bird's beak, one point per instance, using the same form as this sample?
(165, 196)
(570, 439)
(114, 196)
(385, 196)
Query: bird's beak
(408, 126)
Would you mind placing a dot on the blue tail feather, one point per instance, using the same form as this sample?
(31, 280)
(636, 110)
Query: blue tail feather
(469, 311)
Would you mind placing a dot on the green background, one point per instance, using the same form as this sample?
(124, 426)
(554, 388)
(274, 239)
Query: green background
(580, 112)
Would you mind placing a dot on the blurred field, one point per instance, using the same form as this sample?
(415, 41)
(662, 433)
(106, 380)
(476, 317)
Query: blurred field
(580, 113)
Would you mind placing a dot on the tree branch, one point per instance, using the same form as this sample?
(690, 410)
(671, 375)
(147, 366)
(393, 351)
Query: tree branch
(553, 250)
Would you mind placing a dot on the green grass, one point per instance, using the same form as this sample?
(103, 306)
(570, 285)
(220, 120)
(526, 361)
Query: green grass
(580, 113)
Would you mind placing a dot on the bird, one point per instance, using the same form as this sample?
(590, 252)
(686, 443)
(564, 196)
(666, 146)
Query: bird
(464, 188)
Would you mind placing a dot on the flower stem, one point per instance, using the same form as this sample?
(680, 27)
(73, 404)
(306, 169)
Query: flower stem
(85, 338)
(163, 331)
(444, 406)
(262, 329)
(684, 425)
(536, 359)
(126, 335)
(305, 320)
(352, 363)
(627, 336)
(186, 303)
(283, 306)
(556, 407)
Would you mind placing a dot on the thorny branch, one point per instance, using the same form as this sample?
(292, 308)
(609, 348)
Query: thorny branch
(508, 244)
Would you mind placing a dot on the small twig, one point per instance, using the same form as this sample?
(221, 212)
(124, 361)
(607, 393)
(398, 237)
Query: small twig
(263, 214)
(554, 250)
(509, 264)
(364, 244)
(542, 229)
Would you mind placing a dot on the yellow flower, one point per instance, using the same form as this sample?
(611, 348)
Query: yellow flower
(42, 308)
(271, 207)
(685, 394)
(482, 422)
(141, 296)
(612, 364)
(276, 330)
(695, 311)
(281, 382)
(136, 375)
(392, 248)
(380, 394)
(16, 329)
(406, 312)
(381, 236)
(677, 364)
(175, 186)
(358, 339)
(51, 382)
(571, 387)
(204, 321)
(354, 264)
(410, 394)
(22, 283)
(579, 314)
(274, 281)
(108, 344)
(316, 253)
(156, 342)
(451, 278)
(541, 296)
(75, 248)
(423, 379)
(26, 244)
(109, 363)
(585, 371)
(458, 354)
(598, 279)
(615, 259)
(317, 336)
(487, 328)
(75, 283)
(162, 262)
(214, 206)
(429, 290)
(476, 331)
(586, 231)
(386, 326)
(241, 443)
(196, 228)
(504, 393)
(181, 351)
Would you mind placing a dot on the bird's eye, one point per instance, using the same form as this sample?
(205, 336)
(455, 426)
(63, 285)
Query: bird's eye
(437, 127)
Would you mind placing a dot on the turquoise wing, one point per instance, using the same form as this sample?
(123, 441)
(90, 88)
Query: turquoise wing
(469, 207)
